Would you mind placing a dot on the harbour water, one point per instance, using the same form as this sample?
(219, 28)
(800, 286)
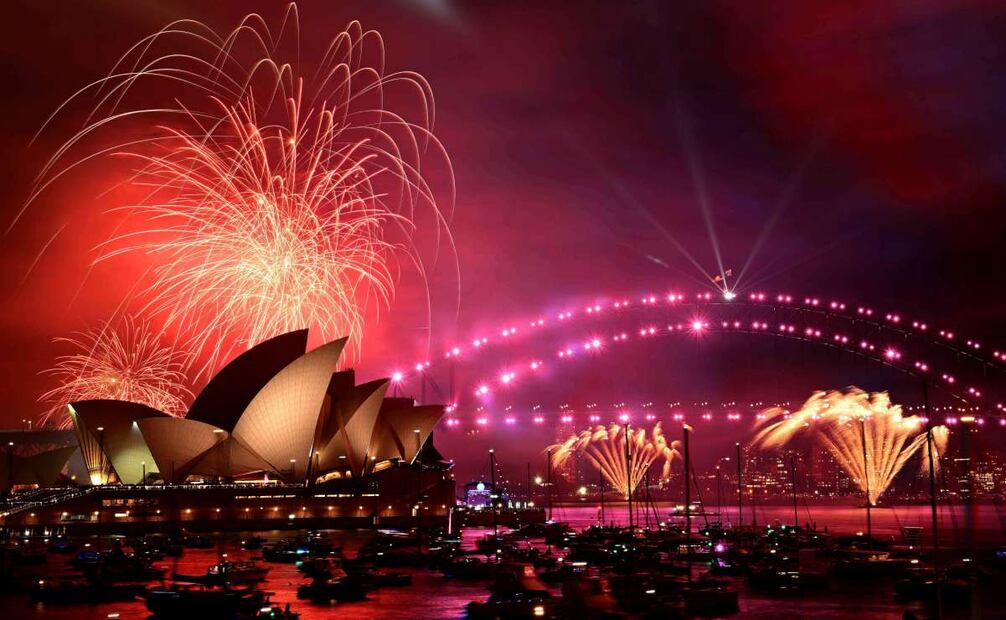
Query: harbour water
(433, 596)
(985, 523)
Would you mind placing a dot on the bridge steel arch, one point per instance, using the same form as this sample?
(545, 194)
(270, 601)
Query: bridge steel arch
(964, 368)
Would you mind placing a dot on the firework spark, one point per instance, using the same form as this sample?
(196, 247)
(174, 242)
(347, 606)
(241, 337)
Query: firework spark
(125, 363)
(868, 436)
(275, 196)
(605, 449)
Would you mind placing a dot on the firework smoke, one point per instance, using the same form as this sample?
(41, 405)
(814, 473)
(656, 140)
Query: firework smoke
(125, 363)
(868, 436)
(277, 195)
(604, 448)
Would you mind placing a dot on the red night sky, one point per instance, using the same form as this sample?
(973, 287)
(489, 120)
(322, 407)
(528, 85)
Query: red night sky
(576, 132)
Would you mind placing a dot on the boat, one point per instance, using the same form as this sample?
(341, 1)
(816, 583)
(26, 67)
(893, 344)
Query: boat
(489, 543)
(955, 584)
(558, 534)
(153, 545)
(284, 552)
(253, 543)
(519, 551)
(640, 591)
(710, 596)
(84, 558)
(382, 578)
(790, 538)
(327, 589)
(585, 597)
(467, 567)
(363, 574)
(275, 612)
(715, 530)
(515, 605)
(399, 550)
(696, 551)
(561, 571)
(868, 564)
(926, 587)
(517, 593)
(62, 545)
(316, 567)
(227, 572)
(290, 550)
(237, 572)
(442, 545)
(784, 576)
(115, 566)
(729, 565)
(695, 509)
(193, 541)
(514, 577)
(77, 590)
(196, 601)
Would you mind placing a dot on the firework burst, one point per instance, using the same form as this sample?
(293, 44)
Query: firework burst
(276, 195)
(605, 449)
(868, 436)
(125, 363)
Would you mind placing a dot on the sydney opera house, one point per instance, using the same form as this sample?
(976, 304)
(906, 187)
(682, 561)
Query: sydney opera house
(279, 434)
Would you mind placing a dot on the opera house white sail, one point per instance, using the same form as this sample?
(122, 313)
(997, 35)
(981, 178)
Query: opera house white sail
(275, 409)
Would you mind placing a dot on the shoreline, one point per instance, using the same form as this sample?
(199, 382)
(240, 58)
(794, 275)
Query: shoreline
(958, 523)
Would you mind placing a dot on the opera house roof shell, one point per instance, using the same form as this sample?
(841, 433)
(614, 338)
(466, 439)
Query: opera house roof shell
(41, 469)
(275, 409)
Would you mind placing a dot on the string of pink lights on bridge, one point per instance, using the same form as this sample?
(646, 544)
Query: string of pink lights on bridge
(511, 416)
(873, 348)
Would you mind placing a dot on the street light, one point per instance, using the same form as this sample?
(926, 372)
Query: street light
(101, 455)
(221, 456)
(10, 467)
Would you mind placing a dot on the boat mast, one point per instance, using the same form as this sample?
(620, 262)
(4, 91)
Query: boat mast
(932, 498)
(740, 488)
(527, 498)
(646, 499)
(492, 500)
(628, 473)
(600, 483)
(688, 503)
(792, 476)
(548, 483)
(866, 477)
(719, 495)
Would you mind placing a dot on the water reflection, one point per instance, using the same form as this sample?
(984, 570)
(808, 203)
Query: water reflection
(433, 596)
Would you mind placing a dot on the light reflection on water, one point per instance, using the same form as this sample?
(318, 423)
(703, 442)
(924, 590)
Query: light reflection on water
(432, 596)
(987, 521)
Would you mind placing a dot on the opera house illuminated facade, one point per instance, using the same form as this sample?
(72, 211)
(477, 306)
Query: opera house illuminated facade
(278, 425)
(274, 411)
